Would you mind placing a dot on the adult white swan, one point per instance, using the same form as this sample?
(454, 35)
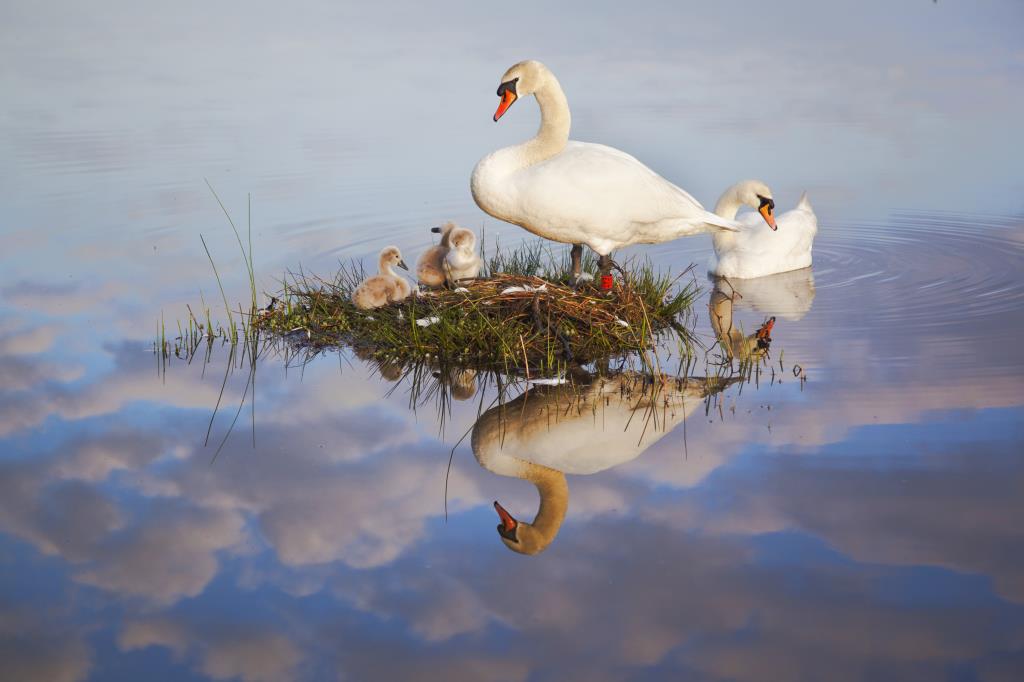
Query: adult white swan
(578, 192)
(756, 251)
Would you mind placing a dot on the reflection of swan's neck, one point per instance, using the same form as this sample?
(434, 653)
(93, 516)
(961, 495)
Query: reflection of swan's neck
(555, 121)
(735, 344)
(532, 537)
(554, 501)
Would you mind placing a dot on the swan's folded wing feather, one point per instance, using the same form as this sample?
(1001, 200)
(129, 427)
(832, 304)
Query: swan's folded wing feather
(609, 183)
(764, 251)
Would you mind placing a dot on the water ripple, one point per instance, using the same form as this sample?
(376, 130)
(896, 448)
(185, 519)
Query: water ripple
(926, 270)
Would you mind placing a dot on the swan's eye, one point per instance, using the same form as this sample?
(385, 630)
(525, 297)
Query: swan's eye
(765, 201)
(508, 85)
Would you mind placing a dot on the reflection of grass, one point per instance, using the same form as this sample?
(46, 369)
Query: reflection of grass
(522, 315)
(195, 331)
(240, 334)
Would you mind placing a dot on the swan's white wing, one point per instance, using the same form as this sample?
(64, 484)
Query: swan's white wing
(758, 251)
(594, 185)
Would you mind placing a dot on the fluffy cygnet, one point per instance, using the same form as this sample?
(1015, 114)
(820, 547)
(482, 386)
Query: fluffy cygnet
(430, 267)
(463, 261)
(386, 287)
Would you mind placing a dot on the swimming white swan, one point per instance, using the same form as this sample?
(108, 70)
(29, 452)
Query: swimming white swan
(550, 431)
(757, 250)
(579, 192)
(387, 286)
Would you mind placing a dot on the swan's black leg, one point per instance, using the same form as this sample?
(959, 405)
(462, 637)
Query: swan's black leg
(604, 264)
(577, 258)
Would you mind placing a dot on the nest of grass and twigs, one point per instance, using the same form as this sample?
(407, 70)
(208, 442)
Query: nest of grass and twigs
(522, 314)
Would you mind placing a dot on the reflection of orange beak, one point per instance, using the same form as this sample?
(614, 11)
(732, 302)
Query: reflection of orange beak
(766, 213)
(765, 332)
(506, 519)
(506, 101)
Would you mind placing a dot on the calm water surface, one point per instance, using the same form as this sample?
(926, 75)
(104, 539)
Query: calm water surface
(866, 522)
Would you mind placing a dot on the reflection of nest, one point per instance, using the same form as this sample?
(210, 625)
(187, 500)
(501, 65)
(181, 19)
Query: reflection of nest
(505, 320)
(389, 370)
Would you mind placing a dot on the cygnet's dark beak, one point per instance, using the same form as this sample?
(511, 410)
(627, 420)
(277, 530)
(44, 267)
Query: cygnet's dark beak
(402, 265)
(436, 229)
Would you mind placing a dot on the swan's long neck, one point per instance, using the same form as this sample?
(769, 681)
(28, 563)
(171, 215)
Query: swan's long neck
(555, 121)
(727, 207)
(728, 204)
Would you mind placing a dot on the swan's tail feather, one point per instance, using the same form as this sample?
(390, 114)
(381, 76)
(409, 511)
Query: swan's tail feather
(720, 224)
(804, 203)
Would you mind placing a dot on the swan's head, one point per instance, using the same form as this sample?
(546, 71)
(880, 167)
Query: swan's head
(519, 536)
(390, 255)
(522, 79)
(462, 239)
(758, 195)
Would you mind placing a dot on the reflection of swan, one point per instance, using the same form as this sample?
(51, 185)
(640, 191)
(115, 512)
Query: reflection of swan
(461, 383)
(757, 250)
(788, 295)
(550, 431)
(458, 382)
(578, 192)
(736, 344)
(390, 369)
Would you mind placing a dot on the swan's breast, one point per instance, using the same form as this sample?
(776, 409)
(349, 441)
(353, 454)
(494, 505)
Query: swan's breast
(491, 185)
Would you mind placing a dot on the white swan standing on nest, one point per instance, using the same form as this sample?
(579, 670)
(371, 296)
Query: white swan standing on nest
(756, 251)
(578, 192)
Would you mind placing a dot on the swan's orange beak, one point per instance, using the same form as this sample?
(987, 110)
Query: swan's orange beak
(507, 97)
(765, 331)
(769, 217)
(508, 523)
